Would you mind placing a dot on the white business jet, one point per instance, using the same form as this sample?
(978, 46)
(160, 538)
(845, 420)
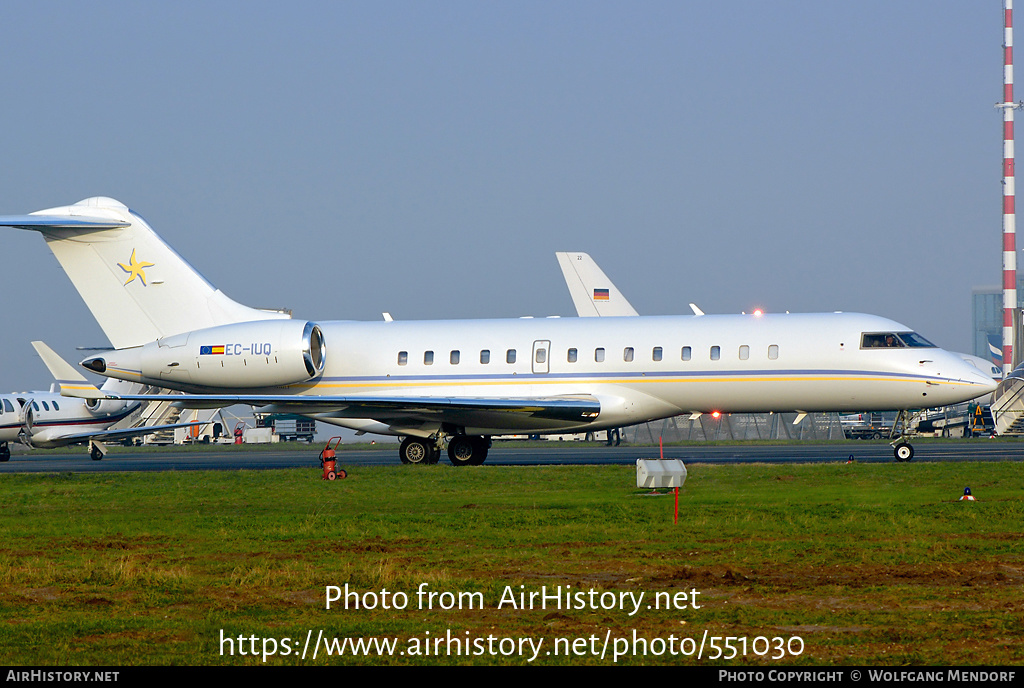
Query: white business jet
(47, 420)
(465, 380)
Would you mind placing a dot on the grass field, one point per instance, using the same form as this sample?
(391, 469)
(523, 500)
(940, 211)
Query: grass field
(863, 563)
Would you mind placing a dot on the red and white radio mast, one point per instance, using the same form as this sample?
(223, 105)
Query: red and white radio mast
(1009, 215)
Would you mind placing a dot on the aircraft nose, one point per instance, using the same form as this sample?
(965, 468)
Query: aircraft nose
(977, 379)
(984, 382)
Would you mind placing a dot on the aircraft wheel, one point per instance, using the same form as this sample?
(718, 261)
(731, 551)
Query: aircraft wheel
(903, 452)
(480, 446)
(96, 454)
(467, 451)
(5, 452)
(435, 454)
(415, 450)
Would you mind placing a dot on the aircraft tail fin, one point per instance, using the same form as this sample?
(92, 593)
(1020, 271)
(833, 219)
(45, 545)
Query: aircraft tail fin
(592, 292)
(137, 287)
(68, 379)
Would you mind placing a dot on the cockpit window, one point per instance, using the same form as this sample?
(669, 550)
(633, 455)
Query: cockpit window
(913, 339)
(894, 340)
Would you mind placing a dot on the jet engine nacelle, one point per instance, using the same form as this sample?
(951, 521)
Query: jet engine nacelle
(264, 353)
(103, 408)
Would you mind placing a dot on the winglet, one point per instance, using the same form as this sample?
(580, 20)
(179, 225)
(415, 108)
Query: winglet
(68, 379)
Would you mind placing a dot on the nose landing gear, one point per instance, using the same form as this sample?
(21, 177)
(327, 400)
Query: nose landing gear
(901, 448)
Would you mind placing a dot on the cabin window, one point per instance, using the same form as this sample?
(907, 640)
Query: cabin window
(599, 355)
(46, 406)
(541, 355)
(656, 354)
(55, 407)
(744, 352)
(485, 355)
(627, 354)
(686, 353)
(453, 358)
(403, 357)
(716, 353)
(510, 356)
(8, 406)
(428, 358)
(773, 352)
(35, 406)
(572, 355)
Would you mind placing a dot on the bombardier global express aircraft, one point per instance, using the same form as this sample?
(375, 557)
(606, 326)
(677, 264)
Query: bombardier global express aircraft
(461, 381)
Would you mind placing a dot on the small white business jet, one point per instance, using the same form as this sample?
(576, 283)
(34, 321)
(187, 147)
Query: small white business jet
(46, 420)
(465, 380)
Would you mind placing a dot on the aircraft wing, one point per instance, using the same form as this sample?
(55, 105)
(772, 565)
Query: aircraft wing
(466, 411)
(75, 437)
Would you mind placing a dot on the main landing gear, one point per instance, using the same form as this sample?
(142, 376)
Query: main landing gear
(468, 450)
(463, 450)
(5, 452)
(422, 450)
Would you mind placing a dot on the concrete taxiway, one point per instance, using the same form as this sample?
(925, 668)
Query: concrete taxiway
(76, 461)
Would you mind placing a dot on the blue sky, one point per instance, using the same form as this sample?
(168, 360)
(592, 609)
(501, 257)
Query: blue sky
(343, 159)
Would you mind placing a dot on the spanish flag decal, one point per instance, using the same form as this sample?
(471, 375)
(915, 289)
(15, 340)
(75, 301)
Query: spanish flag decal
(211, 350)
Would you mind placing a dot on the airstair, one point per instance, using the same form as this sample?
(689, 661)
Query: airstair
(1008, 405)
(152, 413)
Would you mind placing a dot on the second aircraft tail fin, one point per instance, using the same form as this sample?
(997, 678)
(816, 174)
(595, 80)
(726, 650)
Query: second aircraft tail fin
(592, 292)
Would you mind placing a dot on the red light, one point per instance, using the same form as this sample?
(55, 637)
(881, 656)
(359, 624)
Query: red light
(716, 414)
(758, 312)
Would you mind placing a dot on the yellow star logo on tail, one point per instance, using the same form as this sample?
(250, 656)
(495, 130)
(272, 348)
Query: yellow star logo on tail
(135, 269)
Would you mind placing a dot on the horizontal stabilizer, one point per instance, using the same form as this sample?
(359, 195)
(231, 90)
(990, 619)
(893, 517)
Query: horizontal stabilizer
(40, 222)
